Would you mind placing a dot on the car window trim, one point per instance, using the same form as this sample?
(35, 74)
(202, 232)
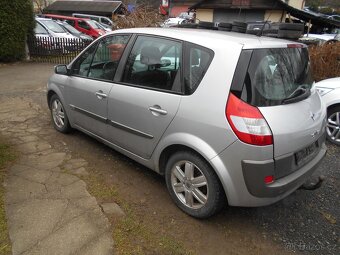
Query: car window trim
(96, 47)
(120, 71)
(188, 46)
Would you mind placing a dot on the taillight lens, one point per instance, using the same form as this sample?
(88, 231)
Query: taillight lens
(247, 122)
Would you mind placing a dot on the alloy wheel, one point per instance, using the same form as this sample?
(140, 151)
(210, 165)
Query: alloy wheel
(58, 113)
(333, 127)
(189, 184)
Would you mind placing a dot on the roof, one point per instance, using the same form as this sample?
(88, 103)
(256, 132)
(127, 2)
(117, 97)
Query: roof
(91, 7)
(212, 38)
(277, 4)
(306, 16)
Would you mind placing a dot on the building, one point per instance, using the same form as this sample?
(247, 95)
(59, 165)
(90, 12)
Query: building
(102, 8)
(241, 10)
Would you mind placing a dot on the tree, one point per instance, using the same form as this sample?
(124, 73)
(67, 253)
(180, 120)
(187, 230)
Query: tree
(40, 4)
(16, 23)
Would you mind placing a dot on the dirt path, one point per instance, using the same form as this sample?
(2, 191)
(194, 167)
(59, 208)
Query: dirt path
(269, 230)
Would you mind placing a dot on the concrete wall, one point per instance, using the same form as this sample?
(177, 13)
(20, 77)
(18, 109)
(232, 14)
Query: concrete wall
(275, 15)
(298, 4)
(204, 15)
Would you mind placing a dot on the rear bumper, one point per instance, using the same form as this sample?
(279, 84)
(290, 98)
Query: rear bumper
(243, 179)
(254, 173)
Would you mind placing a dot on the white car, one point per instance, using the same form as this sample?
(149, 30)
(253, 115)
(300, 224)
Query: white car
(329, 89)
(171, 22)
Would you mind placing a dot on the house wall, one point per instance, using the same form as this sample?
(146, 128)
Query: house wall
(230, 15)
(204, 14)
(275, 15)
(298, 4)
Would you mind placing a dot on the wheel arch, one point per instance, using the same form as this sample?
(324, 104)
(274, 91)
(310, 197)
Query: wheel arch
(169, 150)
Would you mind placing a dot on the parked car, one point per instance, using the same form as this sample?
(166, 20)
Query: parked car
(51, 28)
(329, 89)
(46, 29)
(67, 27)
(319, 39)
(223, 116)
(171, 22)
(106, 29)
(104, 21)
(85, 26)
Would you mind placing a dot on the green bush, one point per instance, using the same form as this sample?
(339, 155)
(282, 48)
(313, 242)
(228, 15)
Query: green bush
(16, 23)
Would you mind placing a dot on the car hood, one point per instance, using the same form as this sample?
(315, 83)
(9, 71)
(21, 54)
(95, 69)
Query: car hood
(333, 83)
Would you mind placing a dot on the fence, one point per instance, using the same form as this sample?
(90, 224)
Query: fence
(55, 50)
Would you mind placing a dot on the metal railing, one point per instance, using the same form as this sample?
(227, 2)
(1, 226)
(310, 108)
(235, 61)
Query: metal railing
(55, 50)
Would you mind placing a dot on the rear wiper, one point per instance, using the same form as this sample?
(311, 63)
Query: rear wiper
(298, 94)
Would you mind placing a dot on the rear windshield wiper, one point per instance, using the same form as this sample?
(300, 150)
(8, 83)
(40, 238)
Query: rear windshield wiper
(298, 94)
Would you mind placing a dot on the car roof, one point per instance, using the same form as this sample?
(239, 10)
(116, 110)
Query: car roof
(212, 38)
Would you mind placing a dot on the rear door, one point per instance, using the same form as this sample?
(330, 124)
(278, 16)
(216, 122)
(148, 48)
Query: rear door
(146, 98)
(279, 83)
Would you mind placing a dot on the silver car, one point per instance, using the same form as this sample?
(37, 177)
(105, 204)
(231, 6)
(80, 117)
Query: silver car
(225, 117)
(329, 89)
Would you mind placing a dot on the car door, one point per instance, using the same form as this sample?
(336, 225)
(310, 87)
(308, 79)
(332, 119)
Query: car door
(146, 98)
(91, 82)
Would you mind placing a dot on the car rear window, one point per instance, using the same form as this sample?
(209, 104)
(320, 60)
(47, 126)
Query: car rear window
(275, 75)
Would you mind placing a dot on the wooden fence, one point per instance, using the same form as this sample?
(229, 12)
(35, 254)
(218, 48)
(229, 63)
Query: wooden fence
(55, 50)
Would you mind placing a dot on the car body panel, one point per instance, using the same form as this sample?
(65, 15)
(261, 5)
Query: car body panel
(132, 124)
(197, 121)
(302, 124)
(89, 111)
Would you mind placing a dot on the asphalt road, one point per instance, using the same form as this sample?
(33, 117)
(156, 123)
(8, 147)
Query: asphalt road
(306, 222)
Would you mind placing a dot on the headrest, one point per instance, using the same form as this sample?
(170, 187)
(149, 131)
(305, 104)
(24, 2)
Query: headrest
(150, 56)
(195, 61)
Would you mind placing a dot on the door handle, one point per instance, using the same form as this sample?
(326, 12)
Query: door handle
(158, 110)
(100, 94)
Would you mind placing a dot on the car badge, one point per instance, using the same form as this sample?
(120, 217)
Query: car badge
(312, 115)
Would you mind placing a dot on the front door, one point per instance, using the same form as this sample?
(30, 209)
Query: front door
(91, 83)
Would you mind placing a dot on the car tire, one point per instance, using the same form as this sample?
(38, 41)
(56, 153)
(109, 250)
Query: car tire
(193, 185)
(206, 24)
(333, 125)
(59, 117)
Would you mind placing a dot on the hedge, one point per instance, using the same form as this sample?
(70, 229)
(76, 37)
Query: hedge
(16, 23)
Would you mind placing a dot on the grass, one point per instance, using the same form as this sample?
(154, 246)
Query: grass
(7, 155)
(132, 235)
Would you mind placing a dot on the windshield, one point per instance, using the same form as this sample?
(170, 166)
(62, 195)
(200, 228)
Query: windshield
(71, 29)
(92, 24)
(275, 75)
(53, 26)
(39, 29)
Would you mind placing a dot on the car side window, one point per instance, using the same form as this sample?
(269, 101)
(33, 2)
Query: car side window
(198, 60)
(107, 56)
(81, 66)
(39, 29)
(71, 22)
(154, 63)
(83, 24)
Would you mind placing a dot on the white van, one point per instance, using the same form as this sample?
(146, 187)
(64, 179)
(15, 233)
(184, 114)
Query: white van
(105, 21)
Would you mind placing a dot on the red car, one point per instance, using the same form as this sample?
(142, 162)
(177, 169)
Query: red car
(85, 26)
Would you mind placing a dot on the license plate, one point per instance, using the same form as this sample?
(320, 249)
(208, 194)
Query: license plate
(305, 154)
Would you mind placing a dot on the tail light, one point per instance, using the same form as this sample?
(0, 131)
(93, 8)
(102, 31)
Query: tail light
(247, 122)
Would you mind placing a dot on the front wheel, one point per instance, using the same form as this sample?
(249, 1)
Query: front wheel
(193, 185)
(59, 117)
(333, 125)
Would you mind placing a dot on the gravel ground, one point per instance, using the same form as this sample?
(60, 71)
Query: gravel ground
(307, 221)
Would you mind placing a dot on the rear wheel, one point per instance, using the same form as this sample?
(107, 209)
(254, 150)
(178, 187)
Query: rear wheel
(333, 125)
(59, 117)
(193, 185)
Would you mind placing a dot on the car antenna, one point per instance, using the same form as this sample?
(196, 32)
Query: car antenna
(266, 22)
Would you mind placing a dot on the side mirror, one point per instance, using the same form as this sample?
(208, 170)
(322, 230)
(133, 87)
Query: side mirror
(61, 69)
